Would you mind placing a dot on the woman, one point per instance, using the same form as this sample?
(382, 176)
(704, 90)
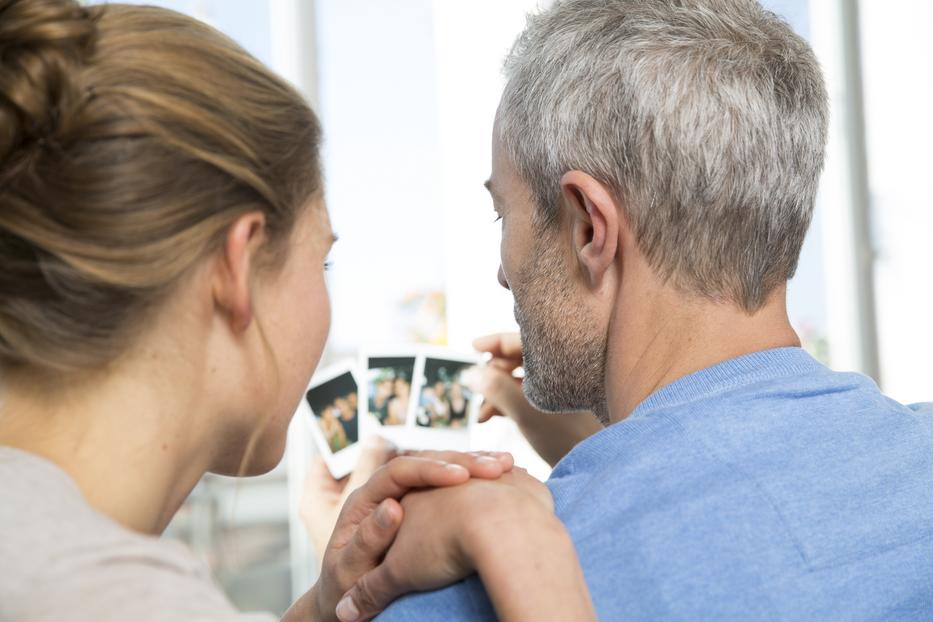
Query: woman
(162, 308)
(333, 431)
(346, 418)
(457, 404)
(397, 409)
(379, 402)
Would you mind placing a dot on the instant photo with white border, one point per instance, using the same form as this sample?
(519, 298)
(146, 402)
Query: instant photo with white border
(444, 406)
(327, 405)
(387, 391)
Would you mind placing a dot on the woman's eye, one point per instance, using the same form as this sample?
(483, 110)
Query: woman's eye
(328, 265)
(498, 218)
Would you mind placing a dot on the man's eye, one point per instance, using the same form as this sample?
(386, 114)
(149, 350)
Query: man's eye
(328, 265)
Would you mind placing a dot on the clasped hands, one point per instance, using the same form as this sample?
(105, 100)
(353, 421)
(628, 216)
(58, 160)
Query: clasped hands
(412, 522)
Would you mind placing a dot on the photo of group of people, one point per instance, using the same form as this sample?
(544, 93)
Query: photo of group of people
(335, 405)
(419, 388)
(388, 382)
(444, 401)
(416, 397)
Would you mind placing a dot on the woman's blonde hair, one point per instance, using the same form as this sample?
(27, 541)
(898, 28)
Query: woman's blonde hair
(130, 139)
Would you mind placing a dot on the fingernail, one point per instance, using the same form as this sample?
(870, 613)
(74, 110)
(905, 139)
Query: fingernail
(347, 611)
(454, 467)
(383, 518)
(487, 459)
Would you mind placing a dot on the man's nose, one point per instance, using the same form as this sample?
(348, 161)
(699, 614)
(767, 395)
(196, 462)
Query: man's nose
(502, 280)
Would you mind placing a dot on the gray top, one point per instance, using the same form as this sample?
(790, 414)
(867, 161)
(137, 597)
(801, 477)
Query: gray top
(62, 560)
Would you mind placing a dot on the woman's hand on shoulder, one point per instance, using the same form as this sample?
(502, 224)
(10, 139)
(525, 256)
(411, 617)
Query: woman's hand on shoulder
(449, 532)
(371, 516)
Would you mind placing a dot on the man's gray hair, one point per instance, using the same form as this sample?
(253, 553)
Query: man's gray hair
(706, 118)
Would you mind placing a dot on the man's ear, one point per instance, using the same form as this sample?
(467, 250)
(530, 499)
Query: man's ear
(233, 271)
(595, 222)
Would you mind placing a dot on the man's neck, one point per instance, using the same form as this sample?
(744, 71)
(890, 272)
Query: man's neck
(659, 338)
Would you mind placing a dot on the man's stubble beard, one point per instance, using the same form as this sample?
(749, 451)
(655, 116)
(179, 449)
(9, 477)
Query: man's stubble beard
(564, 348)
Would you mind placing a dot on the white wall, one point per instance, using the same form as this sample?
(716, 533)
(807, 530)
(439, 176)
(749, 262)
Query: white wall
(378, 104)
(897, 56)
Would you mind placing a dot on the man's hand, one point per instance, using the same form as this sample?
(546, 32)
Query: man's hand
(551, 435)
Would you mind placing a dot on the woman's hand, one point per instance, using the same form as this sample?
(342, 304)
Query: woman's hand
(324, 496)
(371, 516)
(552, 435)
(505, 529)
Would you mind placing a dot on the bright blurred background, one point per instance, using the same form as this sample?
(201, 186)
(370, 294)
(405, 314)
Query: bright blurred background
(406, 91)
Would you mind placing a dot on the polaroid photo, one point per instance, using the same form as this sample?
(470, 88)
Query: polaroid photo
(444, 406)
(332, 402)
(388, 376)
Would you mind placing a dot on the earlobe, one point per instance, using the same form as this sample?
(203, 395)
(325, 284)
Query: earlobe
(233, 272)
(595, 224)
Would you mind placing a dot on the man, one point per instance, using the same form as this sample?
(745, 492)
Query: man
(655, 164)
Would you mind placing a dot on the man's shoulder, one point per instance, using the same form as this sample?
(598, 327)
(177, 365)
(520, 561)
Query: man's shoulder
(923, 409)
(465, 600)
(775, 484)
(799, 436)
(767, 492)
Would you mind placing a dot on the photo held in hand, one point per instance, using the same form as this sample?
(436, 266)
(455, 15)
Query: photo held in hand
(416, 397)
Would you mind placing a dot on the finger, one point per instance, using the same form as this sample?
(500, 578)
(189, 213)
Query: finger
(368, 597)
(371, 540)
(319, 479)
(374, 452)
(535, 487)
(372, 593)
(400, 475)
(500, 345)
(487, 411)
(503, 366)
(320, 502)
(506, 459)
(503, 392)
(482, 464)
(506, 365)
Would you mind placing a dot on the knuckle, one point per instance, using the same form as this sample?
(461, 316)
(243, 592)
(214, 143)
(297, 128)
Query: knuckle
(389, 467)
(498, 382)
(393, 574)
(379, 473)
(343, 579)
(366, 540)
(353, 498)
(365, 596)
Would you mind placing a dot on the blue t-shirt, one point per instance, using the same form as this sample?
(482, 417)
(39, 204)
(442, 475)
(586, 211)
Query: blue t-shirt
(766, 487)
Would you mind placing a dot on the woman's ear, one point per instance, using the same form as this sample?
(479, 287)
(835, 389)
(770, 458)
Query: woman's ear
(233, 272)
(595, 222)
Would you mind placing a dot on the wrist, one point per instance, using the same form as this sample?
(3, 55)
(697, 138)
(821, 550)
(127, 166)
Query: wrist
(512, 533)
(307, 609)
(315, 609)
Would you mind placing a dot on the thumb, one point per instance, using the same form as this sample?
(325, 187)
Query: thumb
(372, 593)
(502, 392)
(500, 345)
